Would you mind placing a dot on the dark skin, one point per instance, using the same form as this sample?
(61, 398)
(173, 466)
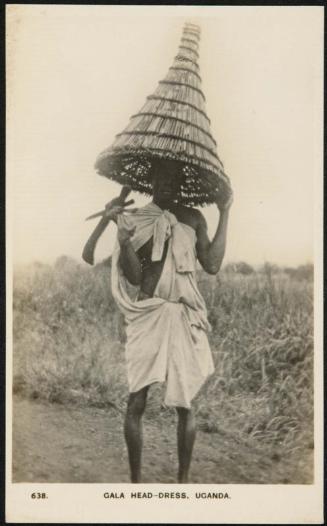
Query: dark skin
(140, 270)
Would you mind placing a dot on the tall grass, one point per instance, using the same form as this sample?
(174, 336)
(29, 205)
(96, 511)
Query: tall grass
(263, 348)
(68, 348)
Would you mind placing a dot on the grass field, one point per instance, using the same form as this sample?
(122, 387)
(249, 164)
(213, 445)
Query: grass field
(68, 349)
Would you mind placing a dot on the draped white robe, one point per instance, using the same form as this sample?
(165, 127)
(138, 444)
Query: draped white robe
(166, 334)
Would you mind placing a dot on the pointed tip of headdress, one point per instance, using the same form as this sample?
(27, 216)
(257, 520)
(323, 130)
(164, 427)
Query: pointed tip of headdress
(191, 24)
(192, 28)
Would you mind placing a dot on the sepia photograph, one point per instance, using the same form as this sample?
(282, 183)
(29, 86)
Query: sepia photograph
(164, 252)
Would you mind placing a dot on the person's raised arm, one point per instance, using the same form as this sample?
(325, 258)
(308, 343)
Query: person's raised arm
(211, 254)
(112, 209)
(128, 258)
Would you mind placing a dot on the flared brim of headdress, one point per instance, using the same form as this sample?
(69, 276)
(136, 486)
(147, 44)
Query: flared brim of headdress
(171, 126)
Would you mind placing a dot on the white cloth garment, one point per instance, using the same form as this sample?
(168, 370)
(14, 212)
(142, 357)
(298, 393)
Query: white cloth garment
(166, 334)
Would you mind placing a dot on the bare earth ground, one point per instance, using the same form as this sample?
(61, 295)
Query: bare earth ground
(58, 443)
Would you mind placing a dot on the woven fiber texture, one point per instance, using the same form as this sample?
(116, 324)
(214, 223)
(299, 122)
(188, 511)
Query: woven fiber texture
(172, 125)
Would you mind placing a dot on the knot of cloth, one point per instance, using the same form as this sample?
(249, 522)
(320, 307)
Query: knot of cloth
(166, 226)
(161, 225)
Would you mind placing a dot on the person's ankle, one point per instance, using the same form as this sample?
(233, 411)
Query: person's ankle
(182, 478)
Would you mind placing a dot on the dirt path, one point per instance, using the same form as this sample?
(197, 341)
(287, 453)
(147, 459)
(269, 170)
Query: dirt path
(56, 443)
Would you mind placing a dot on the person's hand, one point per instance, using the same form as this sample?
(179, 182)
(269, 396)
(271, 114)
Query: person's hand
(112, 211)
(117, 205)
(225, 197)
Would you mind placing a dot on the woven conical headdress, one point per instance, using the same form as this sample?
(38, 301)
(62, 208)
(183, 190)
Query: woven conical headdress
(172, 124)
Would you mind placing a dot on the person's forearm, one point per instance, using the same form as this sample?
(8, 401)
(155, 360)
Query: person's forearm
(130, 263)
(88, 252)
(216, 250)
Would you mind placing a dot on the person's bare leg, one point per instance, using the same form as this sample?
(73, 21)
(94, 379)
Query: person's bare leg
(133, 431)
(186, 432)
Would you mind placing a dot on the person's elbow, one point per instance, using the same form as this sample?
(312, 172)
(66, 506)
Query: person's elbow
(88, 255)
(212, 268)
(211, 265)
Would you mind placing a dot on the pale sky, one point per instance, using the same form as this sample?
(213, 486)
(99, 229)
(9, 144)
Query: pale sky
(75, 75)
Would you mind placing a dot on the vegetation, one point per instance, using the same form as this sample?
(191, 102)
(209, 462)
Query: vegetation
(68, 348)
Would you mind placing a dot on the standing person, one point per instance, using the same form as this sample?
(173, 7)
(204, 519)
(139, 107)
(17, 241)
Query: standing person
(166, 151)
(166, 325)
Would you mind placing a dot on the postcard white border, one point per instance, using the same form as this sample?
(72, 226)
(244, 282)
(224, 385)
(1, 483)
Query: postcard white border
(255, 504)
